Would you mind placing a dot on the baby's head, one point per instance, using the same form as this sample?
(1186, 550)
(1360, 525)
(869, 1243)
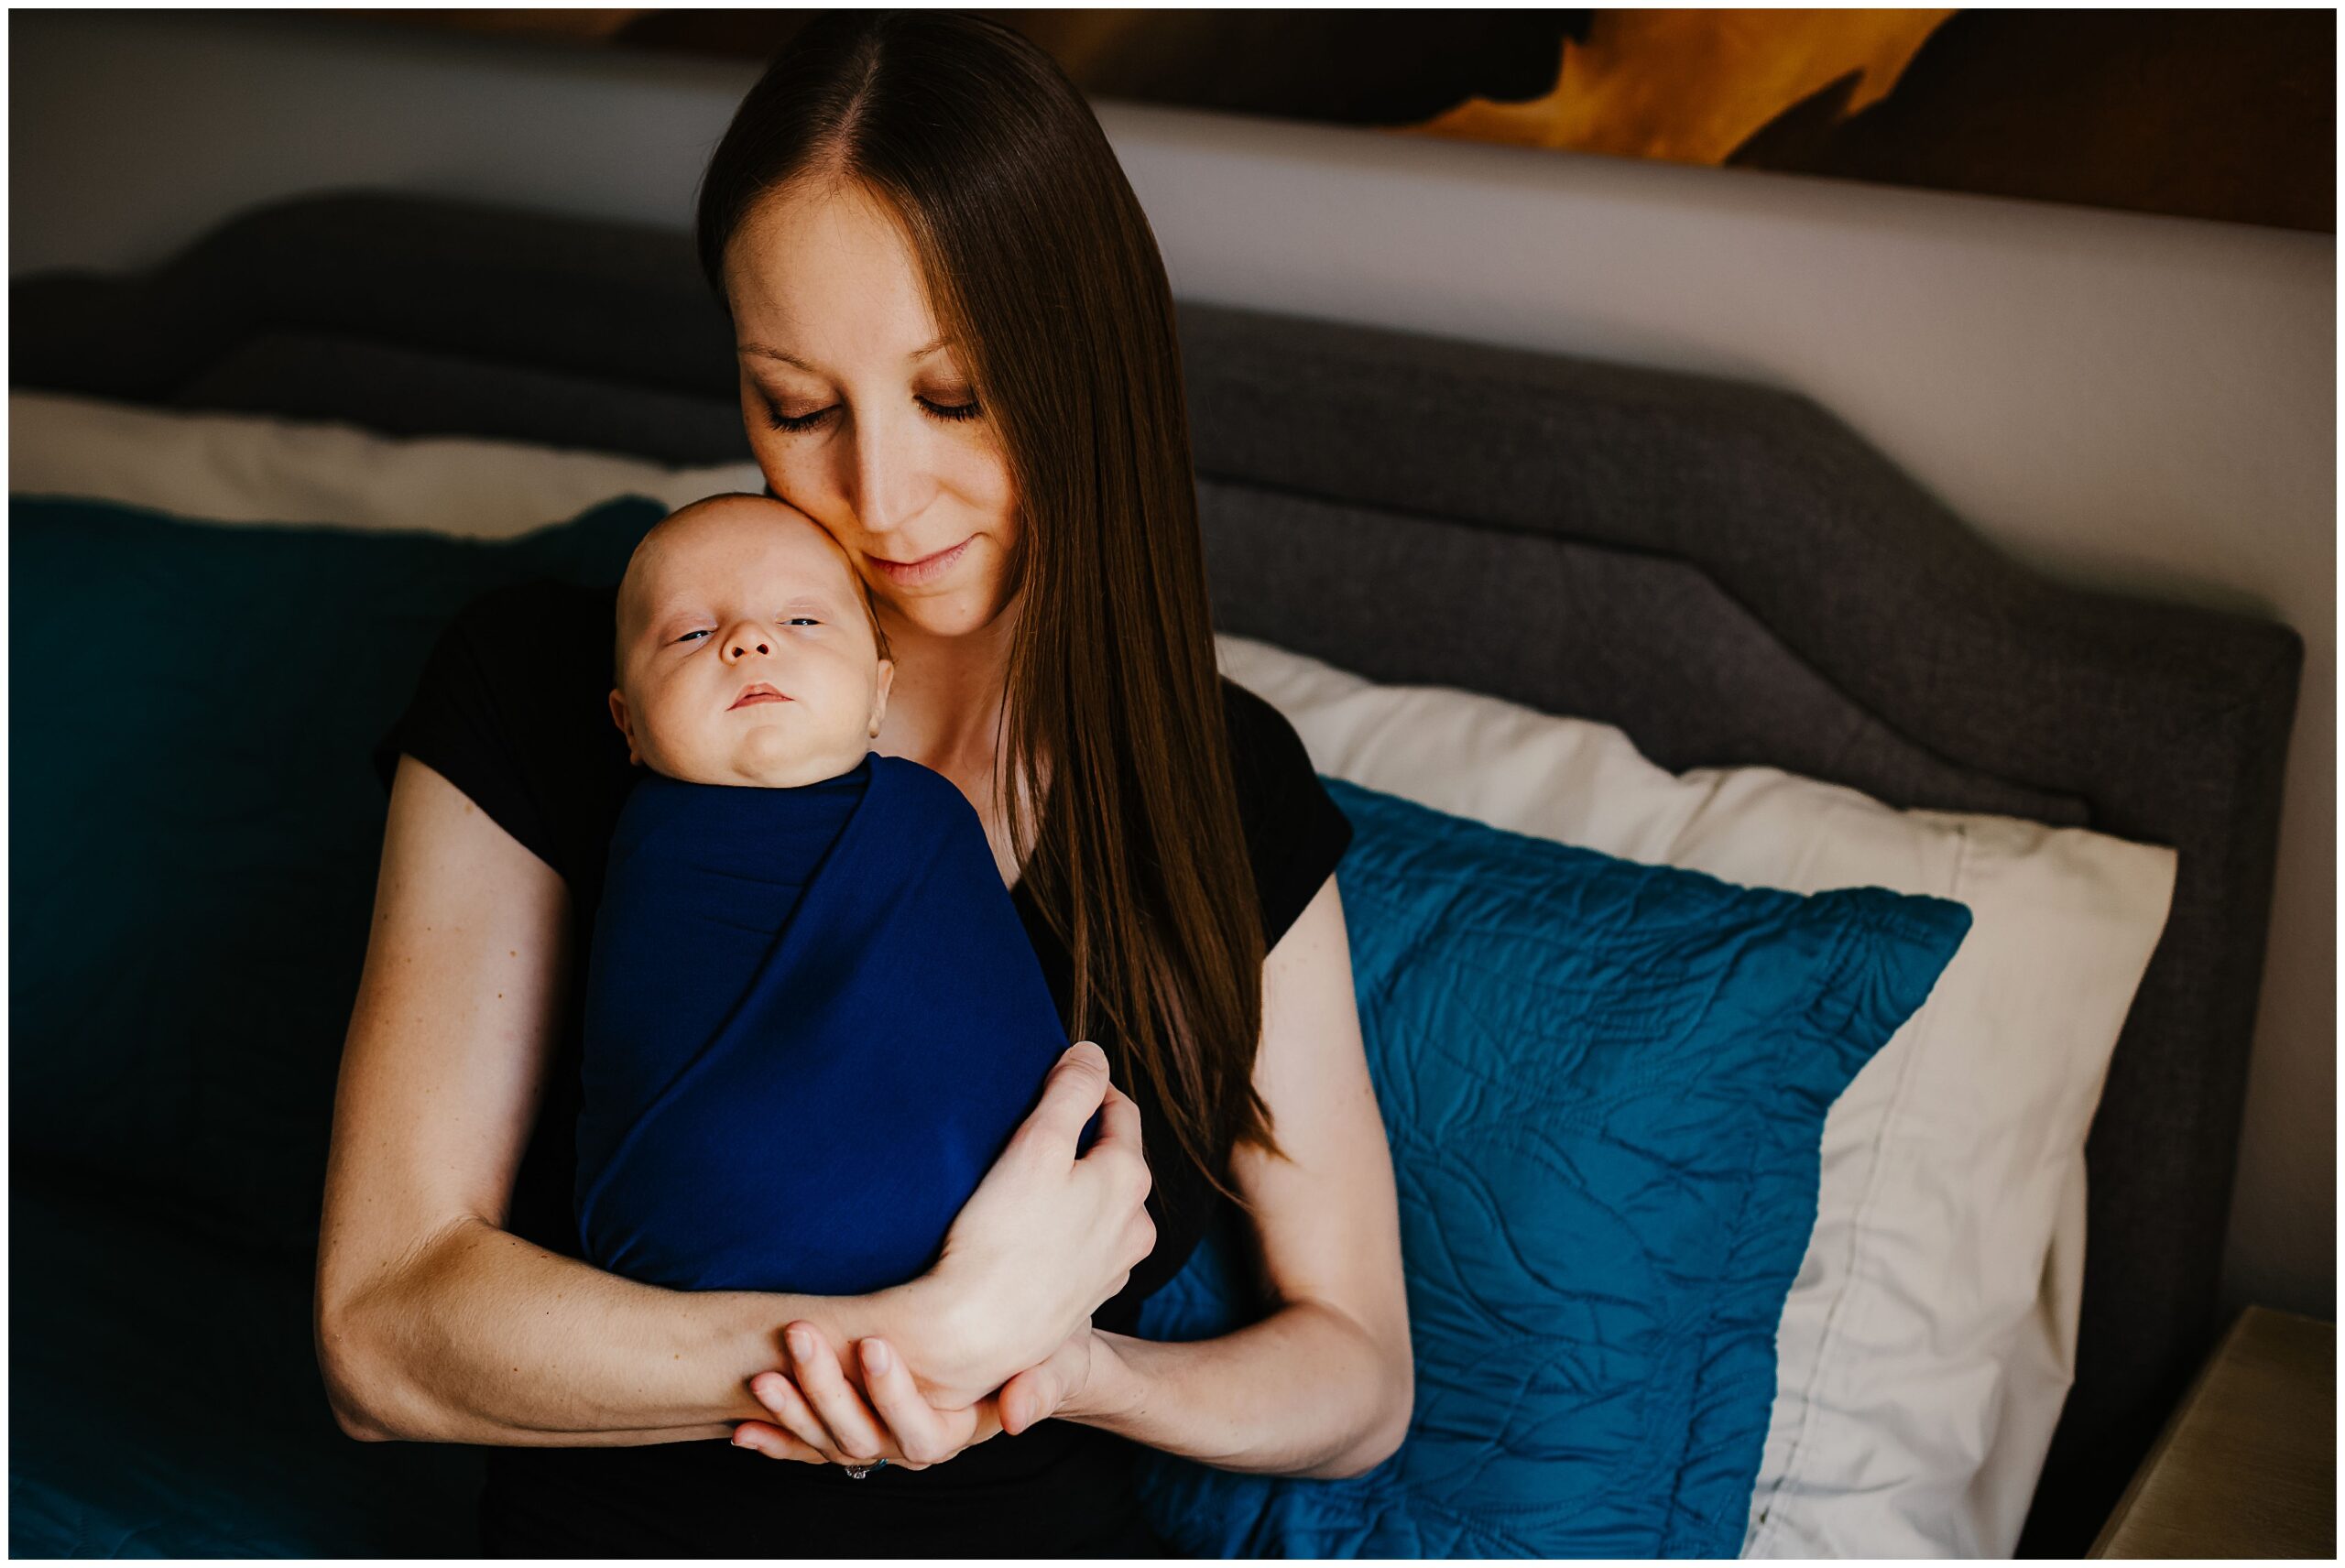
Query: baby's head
(747, 649)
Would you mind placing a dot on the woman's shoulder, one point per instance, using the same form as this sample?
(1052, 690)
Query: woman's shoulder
(525, 633)
(512, 708)
(543, 620)
(1295, 834)
(1253, 723)
(1272, 762)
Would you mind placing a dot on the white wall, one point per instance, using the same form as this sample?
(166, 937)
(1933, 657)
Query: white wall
(2133, 402)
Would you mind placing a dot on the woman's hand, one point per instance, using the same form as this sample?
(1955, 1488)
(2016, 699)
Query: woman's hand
(1045, 1240)
(1062, 1386)
(821, 1418)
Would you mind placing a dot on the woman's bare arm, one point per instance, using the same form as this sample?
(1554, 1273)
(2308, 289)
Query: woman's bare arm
(435, 1323)
(1324, 1385)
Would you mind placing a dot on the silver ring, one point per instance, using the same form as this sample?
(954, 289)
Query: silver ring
(858, 1471)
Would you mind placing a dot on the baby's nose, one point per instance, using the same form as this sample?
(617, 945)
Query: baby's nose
(745, 645)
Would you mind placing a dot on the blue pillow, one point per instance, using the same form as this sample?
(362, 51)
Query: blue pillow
(1605, 1087)
(197, 824)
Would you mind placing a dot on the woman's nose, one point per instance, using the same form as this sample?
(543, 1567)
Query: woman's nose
(886, 472)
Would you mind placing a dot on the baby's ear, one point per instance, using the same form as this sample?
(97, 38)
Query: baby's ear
(618, 717)
(879, 696)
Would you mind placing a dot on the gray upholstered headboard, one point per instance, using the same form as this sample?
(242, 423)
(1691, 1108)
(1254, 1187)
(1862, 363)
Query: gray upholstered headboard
(1723, 570)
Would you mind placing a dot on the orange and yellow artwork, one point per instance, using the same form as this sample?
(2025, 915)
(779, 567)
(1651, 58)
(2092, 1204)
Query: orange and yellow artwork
(1693, 86)
(2223, 113)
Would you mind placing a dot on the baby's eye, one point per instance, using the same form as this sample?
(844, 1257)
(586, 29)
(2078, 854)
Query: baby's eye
(803, 621)
(689, 636)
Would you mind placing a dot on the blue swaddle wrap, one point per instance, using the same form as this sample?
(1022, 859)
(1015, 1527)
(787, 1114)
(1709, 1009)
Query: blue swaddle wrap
(812, 1019)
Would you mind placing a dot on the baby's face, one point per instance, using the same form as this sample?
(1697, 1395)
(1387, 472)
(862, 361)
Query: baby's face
(745, 653)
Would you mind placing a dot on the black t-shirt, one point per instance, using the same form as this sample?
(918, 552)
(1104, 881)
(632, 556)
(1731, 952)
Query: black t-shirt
(512, 710)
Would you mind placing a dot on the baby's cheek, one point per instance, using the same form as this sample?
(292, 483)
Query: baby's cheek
(669, 740)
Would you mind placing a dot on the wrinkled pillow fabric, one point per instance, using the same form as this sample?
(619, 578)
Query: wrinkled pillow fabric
(1930, 1338)
(1604, 1085)
(195, 708)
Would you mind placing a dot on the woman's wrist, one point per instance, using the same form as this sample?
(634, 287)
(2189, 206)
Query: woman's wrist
(902, 1315)
(1113, 1388)
(934, 1326)
(965, 1345)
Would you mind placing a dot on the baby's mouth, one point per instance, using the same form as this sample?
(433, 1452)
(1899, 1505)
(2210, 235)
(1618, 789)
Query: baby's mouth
(756, 691)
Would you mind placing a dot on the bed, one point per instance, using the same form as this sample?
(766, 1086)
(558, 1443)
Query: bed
(1721, 571)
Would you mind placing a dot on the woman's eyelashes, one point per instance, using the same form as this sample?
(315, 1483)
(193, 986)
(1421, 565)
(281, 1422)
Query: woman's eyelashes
(953, 412)
(783, 421)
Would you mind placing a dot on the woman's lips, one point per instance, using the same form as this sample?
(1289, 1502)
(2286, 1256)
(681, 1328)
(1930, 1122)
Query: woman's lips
(927, 569)
(757, 692)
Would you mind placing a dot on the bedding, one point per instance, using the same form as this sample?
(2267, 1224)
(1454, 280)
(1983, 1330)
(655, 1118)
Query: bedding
(1912, 1406)
(1604, 1084)
(245, 469)
(193, 1069)
(1930, 1338)
(256, 1467)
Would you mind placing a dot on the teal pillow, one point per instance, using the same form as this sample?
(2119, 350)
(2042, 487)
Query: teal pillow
(1605, 1087)
(196, 826)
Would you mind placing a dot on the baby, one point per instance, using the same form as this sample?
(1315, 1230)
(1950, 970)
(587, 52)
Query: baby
(813, 1016)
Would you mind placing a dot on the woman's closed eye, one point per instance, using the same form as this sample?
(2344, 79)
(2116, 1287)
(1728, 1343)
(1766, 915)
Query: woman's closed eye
(951, 412)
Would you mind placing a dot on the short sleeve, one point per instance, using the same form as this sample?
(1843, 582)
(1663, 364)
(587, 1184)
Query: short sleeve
(511, 709)
(1295, 834)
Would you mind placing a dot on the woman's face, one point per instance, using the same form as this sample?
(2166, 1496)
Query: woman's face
(861, 416)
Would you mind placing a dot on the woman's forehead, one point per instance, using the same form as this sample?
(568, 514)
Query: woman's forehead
(815, 276)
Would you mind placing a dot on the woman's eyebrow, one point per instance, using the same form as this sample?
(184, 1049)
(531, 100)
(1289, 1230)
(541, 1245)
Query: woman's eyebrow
(762, 352)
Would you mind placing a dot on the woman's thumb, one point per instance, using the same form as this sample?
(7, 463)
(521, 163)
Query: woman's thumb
(1027, 1404)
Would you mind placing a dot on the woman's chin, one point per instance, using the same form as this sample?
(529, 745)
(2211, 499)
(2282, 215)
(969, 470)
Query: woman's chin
(953, 613)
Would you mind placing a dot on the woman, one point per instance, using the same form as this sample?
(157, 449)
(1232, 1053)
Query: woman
(956, 354)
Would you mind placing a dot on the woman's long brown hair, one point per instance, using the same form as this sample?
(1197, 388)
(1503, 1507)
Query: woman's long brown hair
(1041, 268)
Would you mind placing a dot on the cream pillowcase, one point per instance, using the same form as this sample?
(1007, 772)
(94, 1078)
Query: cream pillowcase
(1929, 1340)
(238, 468)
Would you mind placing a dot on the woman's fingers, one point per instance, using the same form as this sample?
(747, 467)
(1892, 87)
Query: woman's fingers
(794, 1416)
(1071, 1093)
(918, 1428)
(1118, 1125)
(915, 1434)
(760, 1437)
(924, 1434)
(1029, 1397)
(851, 1424)
(1040, 1391)
(1117, 1150)
(1046, 1238)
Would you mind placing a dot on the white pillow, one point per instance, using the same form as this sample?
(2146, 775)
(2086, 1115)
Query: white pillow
(241, 468)
(1929, 1339)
